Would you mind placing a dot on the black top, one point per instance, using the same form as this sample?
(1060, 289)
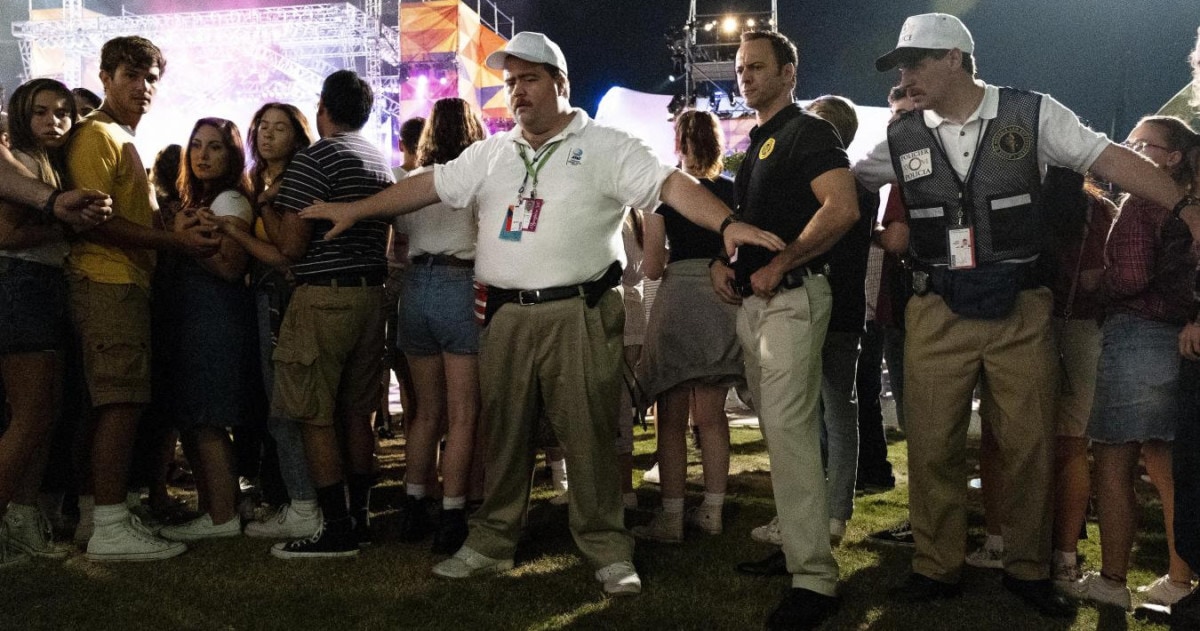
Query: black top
(689, 241)
(341, 168)
(848, 268)
(774, 183)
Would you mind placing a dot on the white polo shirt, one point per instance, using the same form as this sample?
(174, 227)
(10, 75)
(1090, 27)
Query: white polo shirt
(1062, 140)
(585, 185)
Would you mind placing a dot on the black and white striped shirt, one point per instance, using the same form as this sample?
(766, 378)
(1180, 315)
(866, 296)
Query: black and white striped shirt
(341, 168)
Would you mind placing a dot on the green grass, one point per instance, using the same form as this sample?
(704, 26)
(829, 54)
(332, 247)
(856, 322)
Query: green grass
(234, 584)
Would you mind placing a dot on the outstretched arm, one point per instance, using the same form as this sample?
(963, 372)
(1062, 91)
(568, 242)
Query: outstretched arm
(411, 193)
(684, 193)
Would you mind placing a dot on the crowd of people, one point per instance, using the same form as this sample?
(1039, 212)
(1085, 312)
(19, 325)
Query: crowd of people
(246, 295)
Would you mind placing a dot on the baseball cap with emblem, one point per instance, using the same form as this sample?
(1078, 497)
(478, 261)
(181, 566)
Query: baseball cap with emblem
(928, 31)
(530, 46)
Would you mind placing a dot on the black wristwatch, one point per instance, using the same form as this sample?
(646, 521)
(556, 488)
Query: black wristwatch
(48, 208)
(722, 259)
(1188, 200)
(731, 219)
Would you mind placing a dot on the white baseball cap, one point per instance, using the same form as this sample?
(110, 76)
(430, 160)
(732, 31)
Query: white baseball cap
(530, 46)
(934, 31)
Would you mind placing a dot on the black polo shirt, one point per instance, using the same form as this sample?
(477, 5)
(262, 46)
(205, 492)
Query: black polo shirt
(774, 183)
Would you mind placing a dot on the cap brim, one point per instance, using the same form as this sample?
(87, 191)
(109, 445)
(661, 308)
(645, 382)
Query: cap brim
(495, 61)
(890, 60)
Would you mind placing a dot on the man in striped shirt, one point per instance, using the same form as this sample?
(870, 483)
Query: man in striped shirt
(331, 341)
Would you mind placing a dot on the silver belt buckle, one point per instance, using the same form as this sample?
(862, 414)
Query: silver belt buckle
(533, 296)
(920, 283)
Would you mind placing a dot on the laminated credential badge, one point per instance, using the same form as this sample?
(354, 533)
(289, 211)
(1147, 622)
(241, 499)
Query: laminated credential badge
(916, 164)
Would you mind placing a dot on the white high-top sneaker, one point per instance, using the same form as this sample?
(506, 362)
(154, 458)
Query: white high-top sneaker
(298, 520)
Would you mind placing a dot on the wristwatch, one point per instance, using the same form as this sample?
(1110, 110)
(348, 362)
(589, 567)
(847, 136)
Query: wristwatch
(1188, 200)
(731, 219)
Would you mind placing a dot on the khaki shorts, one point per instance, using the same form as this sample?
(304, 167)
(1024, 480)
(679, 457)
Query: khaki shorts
(330, 354)
(1079, 351)
(113, 324)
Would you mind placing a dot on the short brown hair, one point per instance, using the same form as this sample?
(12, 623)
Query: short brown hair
(839, 112)
(133, 51)
(784, 49)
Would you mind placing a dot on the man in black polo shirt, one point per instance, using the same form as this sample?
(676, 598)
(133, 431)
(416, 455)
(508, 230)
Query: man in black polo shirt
(796, 183)
(331, 343)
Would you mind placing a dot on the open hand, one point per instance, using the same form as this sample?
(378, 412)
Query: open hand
(721, 276)
(741, 233)
(340, 214)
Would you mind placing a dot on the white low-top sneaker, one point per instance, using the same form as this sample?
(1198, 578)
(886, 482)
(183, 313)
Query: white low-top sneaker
(665, 527)
(620, 579)
(467, 562)
(768, 533)
(286, 523)
(1098, 589)
(1164, 591)
(202, 527)
(985, 557)
(706, 517)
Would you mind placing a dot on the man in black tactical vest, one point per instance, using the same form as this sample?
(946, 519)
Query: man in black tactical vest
(969, 162)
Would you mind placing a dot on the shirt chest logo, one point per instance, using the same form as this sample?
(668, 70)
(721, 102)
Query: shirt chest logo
(575, 158)
(916, 164)
(766, 149)
(1012, 142)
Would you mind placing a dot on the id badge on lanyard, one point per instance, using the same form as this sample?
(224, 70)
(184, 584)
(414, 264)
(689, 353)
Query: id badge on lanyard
(523, 216)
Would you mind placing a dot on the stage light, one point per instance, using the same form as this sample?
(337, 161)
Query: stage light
(750, 22)
(709, 26)
(671, 77)
(729, 25)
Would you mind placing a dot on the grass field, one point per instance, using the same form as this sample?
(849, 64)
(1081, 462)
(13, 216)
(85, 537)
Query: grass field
(234, 584)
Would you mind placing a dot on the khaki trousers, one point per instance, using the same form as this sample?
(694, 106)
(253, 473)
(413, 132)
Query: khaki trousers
(945, 356)
(560, 361)
(782, 339)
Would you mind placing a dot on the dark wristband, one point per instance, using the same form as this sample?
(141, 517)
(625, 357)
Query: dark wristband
(48, 208)
(1188, 200)
(718, 258)
(731, 219)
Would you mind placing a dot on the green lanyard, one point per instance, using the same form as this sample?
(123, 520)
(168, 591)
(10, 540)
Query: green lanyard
(532, 168)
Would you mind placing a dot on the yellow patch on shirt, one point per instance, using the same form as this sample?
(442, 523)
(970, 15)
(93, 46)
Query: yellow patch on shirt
(766, 149)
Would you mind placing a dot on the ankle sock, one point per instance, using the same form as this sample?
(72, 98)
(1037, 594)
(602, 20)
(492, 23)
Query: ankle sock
(109, 514)
(454, 503)
(672, 505)
(304, 508)
(1065, 558)
(415, 490)
(714, 499)
(994, 542)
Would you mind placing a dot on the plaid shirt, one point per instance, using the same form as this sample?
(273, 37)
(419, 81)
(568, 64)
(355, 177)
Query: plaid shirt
(1129, 260)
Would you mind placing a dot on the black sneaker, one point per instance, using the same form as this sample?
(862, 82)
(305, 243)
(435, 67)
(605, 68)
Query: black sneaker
(362, 531)
(899, 535)
(414, 519)
(332, 540)
(451, 531)
(802, 609)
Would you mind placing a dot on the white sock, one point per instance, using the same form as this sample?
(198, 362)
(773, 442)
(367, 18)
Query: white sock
(994, 542)
(558, 472)
(1065, 558)
(110, 514)
(415, 490)
(672, 504)
(714, 499)
(305, 508)
(454, 503)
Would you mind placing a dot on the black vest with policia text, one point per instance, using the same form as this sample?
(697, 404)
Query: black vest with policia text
(999, 196)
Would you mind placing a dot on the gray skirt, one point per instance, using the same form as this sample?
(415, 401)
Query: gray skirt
(691, 336)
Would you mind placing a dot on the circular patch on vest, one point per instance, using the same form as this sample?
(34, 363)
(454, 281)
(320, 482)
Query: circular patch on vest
(1012, 142)
(766, 149)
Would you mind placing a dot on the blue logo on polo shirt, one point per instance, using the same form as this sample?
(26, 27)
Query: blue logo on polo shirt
(576, 157)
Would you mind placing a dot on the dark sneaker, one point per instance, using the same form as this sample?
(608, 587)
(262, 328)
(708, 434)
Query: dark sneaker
(919, 588)
(332, 540)
(898, 535)
(451, 531)
(1041, 595)
(773, 565)
(362, 531)
(414, 519)
(802, 609)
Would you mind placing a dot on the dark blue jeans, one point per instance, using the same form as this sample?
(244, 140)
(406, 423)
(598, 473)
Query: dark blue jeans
(1186, 466)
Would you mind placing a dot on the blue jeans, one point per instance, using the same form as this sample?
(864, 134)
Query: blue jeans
(289, 445)
(839, 431)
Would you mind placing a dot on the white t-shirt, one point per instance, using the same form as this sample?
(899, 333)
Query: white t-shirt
(232, 204)
(439, 228)
(1062, 141)
(53, 253)
(585, 185)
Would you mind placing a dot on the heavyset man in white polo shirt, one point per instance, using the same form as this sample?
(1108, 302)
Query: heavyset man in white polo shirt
(551, 196)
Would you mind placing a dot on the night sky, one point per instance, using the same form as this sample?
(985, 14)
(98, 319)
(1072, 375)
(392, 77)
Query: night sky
(1109, 60)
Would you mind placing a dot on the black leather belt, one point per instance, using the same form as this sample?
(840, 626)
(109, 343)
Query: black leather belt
(441, 259)
(371, 279)
(791, 280)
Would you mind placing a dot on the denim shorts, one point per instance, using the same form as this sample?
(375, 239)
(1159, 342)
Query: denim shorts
(1137, 381)
(33, 307)
(437, 311)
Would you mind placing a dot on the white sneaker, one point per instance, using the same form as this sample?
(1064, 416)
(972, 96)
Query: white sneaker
(285, 523)
(985, 557)
(1065, 575)
(1164, 591)
(467, 562)
(768, 533)
(620, 579)
(664, 528)
(706, 517)
(9, 555)
(202, 527)
(129, 540)
(30, 532)
(651, 476)
(83, 532)
(837, 531)
(1098, 589)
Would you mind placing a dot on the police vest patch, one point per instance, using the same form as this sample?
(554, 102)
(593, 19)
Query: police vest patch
(916, 164)
(1012, 142)
(766, 149)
